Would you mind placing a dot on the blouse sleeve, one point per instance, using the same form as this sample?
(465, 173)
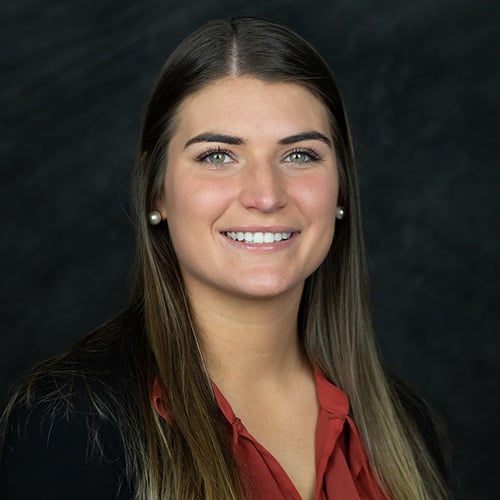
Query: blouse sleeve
(51, 456)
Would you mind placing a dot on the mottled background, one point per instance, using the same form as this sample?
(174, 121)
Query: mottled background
(420, 81)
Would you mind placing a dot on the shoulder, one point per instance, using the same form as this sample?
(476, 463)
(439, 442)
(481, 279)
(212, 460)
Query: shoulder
(54, 450)
(60, 437)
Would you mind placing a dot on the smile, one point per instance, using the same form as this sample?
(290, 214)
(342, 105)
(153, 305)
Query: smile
(257, 238)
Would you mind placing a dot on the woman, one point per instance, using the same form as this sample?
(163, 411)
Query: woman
(244, 366)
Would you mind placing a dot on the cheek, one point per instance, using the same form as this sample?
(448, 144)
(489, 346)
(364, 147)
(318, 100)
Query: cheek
(194, 201)
(319, 199)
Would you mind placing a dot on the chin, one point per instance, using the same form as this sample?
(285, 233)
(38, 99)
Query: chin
(266, 289)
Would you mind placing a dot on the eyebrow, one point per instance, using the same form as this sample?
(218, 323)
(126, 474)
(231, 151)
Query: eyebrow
(214, 137)
(237, 141)
(306, 136)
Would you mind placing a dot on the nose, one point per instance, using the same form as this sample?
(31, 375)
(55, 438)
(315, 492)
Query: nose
(263, 188)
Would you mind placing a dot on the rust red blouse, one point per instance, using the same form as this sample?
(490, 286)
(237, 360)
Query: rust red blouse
(342, 470)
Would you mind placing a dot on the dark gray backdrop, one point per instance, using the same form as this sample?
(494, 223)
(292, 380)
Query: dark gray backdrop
(420, 81)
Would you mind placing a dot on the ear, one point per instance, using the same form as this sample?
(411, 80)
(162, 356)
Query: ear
(162, 211)
(160, 205)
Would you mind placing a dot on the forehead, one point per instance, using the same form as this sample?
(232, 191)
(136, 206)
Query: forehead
(253, 107)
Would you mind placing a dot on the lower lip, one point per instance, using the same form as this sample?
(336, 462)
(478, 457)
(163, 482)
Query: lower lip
(263, 247)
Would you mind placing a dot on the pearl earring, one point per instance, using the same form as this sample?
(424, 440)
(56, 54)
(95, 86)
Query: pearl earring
(339, 213)
(154, 217)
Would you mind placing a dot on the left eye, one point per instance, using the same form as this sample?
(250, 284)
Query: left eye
(300, 157)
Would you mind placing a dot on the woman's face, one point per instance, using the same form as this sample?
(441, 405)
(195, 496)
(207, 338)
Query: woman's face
(250, 188)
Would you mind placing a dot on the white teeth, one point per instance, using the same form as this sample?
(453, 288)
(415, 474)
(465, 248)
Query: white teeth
(257, 238)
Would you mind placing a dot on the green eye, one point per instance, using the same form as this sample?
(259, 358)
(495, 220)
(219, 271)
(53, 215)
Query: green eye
(215, 157)
(218, 158)
(299, 157)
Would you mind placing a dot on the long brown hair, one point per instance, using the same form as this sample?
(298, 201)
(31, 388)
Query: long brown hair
(191, 458)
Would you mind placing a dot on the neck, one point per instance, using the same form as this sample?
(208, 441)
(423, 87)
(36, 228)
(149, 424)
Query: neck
(249, 343)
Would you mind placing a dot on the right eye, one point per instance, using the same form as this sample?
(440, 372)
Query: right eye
(215, 157)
